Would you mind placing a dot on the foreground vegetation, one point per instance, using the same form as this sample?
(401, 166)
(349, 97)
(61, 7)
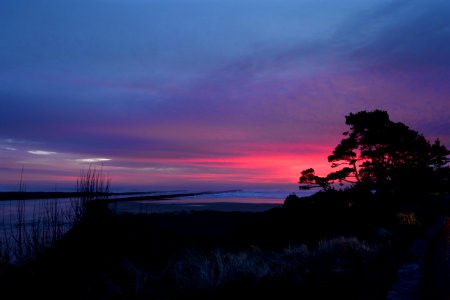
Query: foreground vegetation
(345, 244)
(26, 230)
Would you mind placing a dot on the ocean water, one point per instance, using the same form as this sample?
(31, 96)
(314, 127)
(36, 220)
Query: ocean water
(27, 220)
(245, 200)
(242, 200)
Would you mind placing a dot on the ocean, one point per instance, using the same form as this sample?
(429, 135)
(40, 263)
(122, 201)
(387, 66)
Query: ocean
(241, 200)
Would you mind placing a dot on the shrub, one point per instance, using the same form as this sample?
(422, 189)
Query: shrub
(290, 269)
(341, 254)
(408, 218)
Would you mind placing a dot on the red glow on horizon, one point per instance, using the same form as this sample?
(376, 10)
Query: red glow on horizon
(261, 168)
(268, 169)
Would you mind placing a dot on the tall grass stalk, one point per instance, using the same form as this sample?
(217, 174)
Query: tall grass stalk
(28, 230)
(5, 244)
(18, 233)
(92, 185)
(202, 272)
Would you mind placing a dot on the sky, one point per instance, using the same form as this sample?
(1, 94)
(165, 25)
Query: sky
(209, 94)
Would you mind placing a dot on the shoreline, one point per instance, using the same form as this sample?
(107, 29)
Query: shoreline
(158, 195)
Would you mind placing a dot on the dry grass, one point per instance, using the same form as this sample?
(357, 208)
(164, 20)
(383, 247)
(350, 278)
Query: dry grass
(203, 273)
(408, 218)
(22, 239)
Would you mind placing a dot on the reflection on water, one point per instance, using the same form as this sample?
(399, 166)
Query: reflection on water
(248, 201)
(149, 208)
(29, 226)
(31, 208)
(36, 224)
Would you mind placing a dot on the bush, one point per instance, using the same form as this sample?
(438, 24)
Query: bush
(256, 271)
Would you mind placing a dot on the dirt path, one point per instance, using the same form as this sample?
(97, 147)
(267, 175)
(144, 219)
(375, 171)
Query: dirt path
(436, 285)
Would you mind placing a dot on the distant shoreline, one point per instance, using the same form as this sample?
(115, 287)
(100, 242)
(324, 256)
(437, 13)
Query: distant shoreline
(167, 196)
(158, 195)
(55, 195)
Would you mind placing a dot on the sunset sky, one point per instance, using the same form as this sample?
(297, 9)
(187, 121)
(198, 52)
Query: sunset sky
(209, 93)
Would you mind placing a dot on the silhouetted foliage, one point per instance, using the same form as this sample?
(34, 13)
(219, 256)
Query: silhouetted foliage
(384, 155)
(309, 180)
(439, 155)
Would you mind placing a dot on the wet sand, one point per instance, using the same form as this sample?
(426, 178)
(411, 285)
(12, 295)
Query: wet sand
(140, 207)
